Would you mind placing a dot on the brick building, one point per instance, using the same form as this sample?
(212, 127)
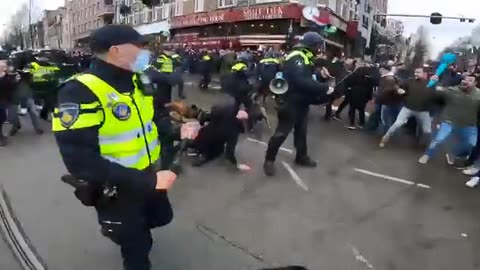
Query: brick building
(85, 16)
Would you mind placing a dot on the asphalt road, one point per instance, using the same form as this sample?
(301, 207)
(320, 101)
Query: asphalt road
(362, 208)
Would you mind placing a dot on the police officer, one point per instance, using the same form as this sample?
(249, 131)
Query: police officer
(206, 65)
(164, 64)
(44, 82)
(266, 71)
(104, 129)
(178, 72)
(298, 70)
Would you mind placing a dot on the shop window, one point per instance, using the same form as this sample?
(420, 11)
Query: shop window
(199, 5)
(226, 3)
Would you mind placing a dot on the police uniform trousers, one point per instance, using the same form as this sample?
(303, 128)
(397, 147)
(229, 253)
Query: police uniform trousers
(164, 125)
(292, 117)
(127, 222)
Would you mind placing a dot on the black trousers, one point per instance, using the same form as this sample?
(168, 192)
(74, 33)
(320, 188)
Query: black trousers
(215, 139)
(128, 223)
(205, 81)
(360, 108)
(293, 117)
(344, 104)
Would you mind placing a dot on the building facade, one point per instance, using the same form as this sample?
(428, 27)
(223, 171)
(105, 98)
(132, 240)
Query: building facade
(148, 21)
(88, 15)
(228, 23)
(67, 35)
(53, 28)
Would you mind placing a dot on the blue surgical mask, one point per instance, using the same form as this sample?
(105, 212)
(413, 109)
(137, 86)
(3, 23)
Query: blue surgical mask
(142, 61)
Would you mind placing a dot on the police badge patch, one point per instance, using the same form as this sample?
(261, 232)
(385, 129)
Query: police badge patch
(121, 111)
(68, 114)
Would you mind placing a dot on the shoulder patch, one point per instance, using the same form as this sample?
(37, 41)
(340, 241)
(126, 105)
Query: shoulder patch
(68, 114)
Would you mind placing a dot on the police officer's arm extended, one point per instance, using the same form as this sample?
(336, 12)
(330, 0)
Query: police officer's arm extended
(76, 132)
(300, 77)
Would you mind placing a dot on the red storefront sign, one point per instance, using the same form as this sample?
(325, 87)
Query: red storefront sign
(268, 12)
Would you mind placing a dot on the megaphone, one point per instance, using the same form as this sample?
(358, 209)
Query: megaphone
(278, 86)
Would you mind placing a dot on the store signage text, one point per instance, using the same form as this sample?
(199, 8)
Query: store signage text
(263, 13)
(238, 14)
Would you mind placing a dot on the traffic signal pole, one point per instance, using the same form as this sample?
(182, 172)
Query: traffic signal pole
(471, 20)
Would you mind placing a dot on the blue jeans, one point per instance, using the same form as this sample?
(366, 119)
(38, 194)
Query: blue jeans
(389, 115)
(467, 138)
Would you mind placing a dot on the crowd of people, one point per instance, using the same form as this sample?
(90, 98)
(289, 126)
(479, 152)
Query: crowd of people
(119, 130)
(392, 95)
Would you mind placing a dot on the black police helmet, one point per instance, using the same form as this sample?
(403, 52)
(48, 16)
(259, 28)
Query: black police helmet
(312, 40)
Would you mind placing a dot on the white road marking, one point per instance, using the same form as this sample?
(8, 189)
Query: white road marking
(295, 176)
(391, 178)
(359, 257)
(266, 144)
(423, 186)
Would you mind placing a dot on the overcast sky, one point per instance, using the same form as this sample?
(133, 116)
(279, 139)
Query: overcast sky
(445, 33)
(441, 35)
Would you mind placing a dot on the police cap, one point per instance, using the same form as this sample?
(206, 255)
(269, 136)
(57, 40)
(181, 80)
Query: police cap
(114, 34)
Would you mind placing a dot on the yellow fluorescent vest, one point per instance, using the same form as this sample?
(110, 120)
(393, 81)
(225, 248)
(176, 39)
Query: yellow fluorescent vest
(127, 134)
(305, 57)
(166, 64)
(270, 61)
(39, 71)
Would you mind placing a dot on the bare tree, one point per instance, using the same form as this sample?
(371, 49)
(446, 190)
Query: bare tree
(421, 47)
(18, 25)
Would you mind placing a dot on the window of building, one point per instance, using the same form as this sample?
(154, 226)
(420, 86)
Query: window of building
(179, 8)
(365, 21)
(199, 5)
(155, 14)
(166, 11)
(332, 4)
(226, 3)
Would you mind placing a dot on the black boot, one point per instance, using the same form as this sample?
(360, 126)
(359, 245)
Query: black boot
(3, 140)
(305, 162)
(269, 168)
(199, 161)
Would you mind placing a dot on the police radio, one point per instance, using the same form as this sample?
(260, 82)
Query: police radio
(279, 88)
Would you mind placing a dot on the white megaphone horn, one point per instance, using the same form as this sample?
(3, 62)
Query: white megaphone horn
(278, 86)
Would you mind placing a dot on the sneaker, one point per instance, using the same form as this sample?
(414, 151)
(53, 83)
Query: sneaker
(472, 170)
(337, 118)
(450, 159)
(473, 182)
(383, 142)
(424, 159)
(351, 127)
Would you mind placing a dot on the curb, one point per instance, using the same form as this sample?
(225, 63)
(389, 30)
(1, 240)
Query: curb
(15, 236)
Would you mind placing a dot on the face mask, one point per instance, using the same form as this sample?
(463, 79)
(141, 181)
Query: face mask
(141, 62)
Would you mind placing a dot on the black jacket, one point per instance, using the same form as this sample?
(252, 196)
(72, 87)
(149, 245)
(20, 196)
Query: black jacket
(80, 149)
(303, 89)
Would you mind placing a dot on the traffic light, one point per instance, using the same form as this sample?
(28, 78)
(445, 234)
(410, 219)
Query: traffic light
(151, 3)
(435, 18)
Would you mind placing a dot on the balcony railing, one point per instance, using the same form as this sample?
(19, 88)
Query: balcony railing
(106, 10)
(156, 14)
